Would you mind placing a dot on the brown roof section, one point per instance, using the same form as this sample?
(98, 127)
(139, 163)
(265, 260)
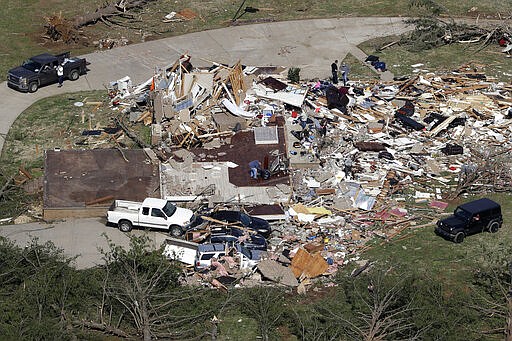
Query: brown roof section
(243, 150)
(73, 177)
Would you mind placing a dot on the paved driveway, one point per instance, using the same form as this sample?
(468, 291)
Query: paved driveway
(77, 237)
(311, 45)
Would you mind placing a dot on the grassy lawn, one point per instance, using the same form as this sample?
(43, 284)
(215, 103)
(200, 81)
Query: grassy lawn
(425, 253)
(22, 28)
(50, 123)
(447, 58)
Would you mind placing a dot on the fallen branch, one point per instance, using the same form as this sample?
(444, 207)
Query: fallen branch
(5, 187)
(113, 9)
(102, 327)
(60, 28)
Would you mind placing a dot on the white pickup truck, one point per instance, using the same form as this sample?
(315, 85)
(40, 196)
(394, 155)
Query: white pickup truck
(154, 213)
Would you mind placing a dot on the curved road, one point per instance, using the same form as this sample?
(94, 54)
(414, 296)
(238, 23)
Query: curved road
(311, 45)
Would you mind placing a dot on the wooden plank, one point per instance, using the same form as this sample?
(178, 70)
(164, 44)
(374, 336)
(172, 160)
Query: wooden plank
(325, 191)
(442, 126)
(25, 172)
(99, 200)
(305, 264)
(407, 84)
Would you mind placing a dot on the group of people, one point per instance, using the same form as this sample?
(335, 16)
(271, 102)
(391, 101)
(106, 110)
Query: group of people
(344, 69)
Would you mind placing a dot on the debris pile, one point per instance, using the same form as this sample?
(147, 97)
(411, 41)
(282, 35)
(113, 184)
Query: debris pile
(342, 165)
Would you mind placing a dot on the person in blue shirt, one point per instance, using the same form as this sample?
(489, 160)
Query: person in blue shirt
(255, 167)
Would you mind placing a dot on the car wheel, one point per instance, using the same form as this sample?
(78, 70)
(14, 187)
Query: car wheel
(32, 87)
(175, 231)
(74, 75)
(125, 226)
(493, 227)
(459, 238)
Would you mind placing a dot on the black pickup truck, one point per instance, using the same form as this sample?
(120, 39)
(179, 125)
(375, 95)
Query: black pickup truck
(41, 70)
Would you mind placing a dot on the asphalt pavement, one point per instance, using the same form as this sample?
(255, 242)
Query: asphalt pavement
(311, 45)
(80, 238)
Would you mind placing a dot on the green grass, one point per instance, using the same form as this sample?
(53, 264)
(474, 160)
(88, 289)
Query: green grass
(22, 27)
(358, 70)
(446, 58)
(50, 123)
(235, 326)
(426, 253)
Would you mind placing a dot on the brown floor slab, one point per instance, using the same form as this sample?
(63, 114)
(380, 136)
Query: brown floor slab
(243, 150)
(73, 177)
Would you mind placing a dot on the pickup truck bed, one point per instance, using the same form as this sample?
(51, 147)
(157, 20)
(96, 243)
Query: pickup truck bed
(125, 206)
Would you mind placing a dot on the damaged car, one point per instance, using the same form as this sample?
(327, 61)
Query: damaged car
(261, 226)
(252, 241)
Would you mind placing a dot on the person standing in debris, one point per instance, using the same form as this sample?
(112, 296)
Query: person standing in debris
(348, 167)
(344, 73)
(60, 74)
(334, 70)
(323, 127)
(255, 167)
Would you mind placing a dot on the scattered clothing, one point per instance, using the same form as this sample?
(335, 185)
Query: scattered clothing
(504, 41)
(371, 58)
(380, 66)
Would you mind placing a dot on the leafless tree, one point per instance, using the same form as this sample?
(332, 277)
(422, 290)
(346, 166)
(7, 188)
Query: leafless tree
(386, 313)
(145, 284)
(266, 306)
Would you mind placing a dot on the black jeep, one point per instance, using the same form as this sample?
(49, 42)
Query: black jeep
(470, 218)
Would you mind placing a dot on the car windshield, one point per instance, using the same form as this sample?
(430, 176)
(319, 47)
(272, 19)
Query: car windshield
(31, 65)
(245, 219)
(169, 209)
(459, 212)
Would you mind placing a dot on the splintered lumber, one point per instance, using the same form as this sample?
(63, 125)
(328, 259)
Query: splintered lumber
(442, 126)
(25, 172)
(227, 132)
(220, 222)
(407, 84)
(325, 191)
(236, 77)
(145, 114)
(100, 200)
